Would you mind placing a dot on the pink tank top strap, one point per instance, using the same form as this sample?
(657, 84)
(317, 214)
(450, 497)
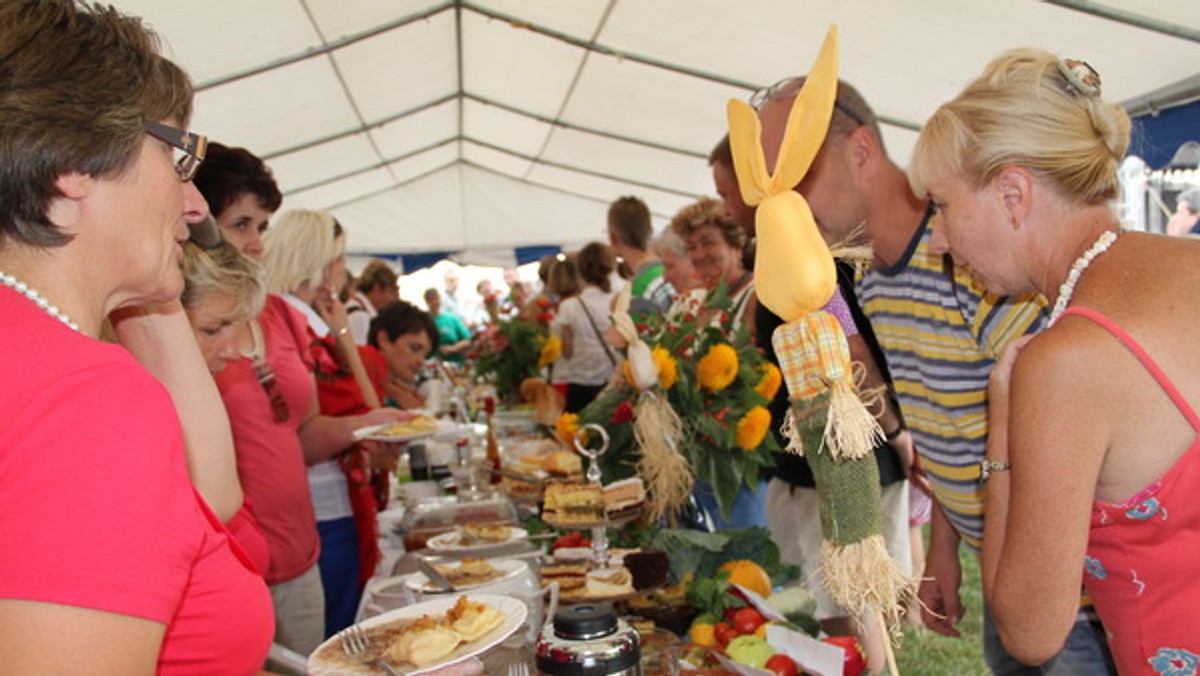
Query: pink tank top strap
(1147, 361)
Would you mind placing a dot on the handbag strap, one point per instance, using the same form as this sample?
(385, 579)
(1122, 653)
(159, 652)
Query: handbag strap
(599, 336)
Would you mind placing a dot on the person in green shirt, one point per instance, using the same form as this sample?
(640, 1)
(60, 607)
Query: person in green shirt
(454, 339)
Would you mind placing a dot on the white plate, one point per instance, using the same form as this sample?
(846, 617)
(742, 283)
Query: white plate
(451, 541)
(372, 433)
(509, 569)
(514, 616)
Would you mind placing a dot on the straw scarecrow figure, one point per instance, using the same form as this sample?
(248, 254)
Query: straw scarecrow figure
(795, 278)
(656, 426)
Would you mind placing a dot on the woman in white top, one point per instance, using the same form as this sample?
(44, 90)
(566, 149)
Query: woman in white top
(581, 322)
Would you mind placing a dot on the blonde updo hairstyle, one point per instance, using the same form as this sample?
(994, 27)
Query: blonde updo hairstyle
(223, 271)
(1025, 111)
(299, 247)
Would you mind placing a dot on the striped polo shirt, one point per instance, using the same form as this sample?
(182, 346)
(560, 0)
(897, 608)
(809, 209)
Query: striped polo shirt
(941, 333)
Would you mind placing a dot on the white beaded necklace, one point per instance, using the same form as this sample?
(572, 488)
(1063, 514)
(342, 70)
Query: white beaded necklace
(32, 294)
(1067, 289)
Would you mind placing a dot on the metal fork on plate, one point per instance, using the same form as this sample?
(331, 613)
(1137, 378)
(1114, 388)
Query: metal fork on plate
(355, 644)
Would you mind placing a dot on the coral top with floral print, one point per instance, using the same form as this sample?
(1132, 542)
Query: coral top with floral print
(1141, 566)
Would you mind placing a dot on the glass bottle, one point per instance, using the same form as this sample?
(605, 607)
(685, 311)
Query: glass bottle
(493, 444)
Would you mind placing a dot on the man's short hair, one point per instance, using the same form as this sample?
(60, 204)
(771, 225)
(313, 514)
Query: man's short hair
(629, 220)
(377, 274)
(77, 84)
(721, 153)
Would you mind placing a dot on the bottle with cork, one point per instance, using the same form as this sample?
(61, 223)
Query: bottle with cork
(493, 444)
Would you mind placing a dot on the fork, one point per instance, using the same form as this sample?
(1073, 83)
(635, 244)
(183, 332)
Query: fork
(518, 669)
(355, 644)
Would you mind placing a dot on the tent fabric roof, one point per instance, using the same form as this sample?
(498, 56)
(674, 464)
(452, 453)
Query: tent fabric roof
(484, 125)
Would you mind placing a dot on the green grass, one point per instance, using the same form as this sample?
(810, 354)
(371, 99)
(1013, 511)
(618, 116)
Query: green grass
(924, 653)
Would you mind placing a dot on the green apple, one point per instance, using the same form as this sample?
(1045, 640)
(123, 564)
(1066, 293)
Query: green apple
(750, 650)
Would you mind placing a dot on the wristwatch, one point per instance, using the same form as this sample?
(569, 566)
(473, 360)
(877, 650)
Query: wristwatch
(986, 467)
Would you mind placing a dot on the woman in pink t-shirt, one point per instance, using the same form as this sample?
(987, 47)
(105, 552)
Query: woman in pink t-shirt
(111, 561)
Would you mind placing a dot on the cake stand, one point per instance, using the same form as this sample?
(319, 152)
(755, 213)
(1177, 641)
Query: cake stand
(598, 528)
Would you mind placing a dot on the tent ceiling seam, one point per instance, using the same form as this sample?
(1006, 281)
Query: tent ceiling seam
(325, 48)
(458, 54)
(483, 144)
(593, 46)
(488, 102)
(353, 131)
(587, 130)
(1128, 18)
(337, 71)
(587, 172)
(566, 99)
(382, 163)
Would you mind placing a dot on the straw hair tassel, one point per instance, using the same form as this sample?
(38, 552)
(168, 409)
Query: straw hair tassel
(667, 474)
(862, 575)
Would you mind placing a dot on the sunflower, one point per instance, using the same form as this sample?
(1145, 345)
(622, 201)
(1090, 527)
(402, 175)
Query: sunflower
(718, 368)
(566, 426)
(771, 380)
(551, 350)
(752, 428)
(668, 370)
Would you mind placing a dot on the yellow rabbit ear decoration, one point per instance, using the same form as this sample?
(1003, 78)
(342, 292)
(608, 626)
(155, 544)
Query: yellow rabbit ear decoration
(795, 277)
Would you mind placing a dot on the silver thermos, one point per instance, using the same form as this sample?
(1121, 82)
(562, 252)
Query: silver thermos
(588, 640)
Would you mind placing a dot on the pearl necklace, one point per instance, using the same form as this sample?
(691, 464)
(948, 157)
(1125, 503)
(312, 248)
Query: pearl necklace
(1067, 289)
(32, 294)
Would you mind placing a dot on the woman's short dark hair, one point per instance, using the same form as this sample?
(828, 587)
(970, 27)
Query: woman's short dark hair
(400, 318)
(77, 84)
(596, 264)
(228, 173)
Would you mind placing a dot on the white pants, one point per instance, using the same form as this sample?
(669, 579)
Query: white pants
(794, 519)
(300, 612)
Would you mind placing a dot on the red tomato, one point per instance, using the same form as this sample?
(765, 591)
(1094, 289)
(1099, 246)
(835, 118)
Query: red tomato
(781, 665)
(573, 539)
(746, 620)
(724, 633)
(729, 614)
(854, 662)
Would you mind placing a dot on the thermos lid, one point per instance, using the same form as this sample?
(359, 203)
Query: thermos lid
(588, 640)
(585, 622)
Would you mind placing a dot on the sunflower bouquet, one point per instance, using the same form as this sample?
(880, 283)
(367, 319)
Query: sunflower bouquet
(702, 416)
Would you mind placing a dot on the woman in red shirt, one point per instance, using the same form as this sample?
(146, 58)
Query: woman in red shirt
(110, 555)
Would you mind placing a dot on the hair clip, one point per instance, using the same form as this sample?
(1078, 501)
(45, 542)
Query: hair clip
(1081, 76)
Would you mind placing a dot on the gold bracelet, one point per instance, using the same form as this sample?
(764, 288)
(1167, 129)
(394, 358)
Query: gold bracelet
(342, 331)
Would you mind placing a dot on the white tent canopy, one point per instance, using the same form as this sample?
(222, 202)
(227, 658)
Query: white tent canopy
(482, 125)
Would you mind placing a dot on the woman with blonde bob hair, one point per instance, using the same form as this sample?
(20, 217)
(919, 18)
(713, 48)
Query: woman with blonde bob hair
(1093, 451)
(302, 251)
(305, 263)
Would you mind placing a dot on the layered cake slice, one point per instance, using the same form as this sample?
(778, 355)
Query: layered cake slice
(571, 576)
(624, 498)
(573, 503)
